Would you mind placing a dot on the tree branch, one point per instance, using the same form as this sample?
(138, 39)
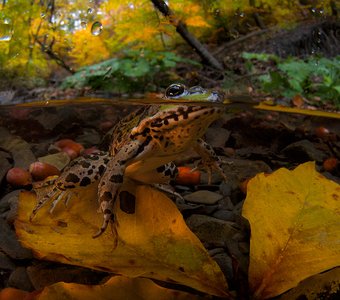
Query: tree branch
(181, 28)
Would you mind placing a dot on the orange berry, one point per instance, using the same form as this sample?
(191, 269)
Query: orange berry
(188, 177)
(330, 164)
(321, 132)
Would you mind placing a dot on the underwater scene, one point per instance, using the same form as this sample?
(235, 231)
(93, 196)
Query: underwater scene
(169, 149)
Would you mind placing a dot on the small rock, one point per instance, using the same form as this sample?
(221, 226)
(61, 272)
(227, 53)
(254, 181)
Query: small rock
(225, 263)
(225, 204)
(203, 197)
(9, 204)
(303, 151)
(225, 215)
(240, 169)
(6, 263)
(5, 164)
(89, 138)
(9, 243)
(212, 231)
(217, 136)
(19, 279)
(20, 150)
(225, 188)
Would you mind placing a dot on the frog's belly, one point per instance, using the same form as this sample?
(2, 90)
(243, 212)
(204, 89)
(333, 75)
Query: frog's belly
(145, 170)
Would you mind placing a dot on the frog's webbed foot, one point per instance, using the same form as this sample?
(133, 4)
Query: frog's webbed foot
(210, 161)
(56, 195)
(211, 166)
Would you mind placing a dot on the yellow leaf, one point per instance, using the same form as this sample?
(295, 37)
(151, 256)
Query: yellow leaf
(196, 21)
(295, 229)
(116, 288)
(153, 242)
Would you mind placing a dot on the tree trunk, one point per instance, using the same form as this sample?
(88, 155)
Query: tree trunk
(181, 28)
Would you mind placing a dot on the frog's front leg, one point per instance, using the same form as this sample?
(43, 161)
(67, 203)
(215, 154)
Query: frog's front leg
(80, 173)
(112, 180)
(210, 160)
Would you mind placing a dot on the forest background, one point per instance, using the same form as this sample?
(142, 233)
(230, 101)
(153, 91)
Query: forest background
(129, 46)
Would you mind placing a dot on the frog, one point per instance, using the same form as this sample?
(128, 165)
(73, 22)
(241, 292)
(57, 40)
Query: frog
(143, 147)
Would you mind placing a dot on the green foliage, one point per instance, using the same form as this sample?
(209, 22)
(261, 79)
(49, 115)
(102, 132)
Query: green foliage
(313, 77)
(134, 71)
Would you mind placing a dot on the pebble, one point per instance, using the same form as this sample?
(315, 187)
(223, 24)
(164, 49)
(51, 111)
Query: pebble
(89, 138)
(225, 188)
(203, 197)
(10, 202)
(217, 136)
(225, 263)
(20, 150)
(212, 231)
(303, 151)
(6, 263)
(19, 279)
(225, 215)
(5, 164)
(9, 243)
(225, 204)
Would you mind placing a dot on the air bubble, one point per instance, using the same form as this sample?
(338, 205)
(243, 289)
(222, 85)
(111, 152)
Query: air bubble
(83, 24)
(6, 31)
(96, 28)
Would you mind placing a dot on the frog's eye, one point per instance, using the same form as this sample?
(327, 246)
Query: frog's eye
(175, 90)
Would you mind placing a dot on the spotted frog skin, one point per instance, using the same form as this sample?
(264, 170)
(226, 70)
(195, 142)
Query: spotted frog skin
(143, 146)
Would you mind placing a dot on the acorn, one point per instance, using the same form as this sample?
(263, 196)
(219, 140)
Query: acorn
(18, 177)
(70, 152)
(40, 170)
(70, 147)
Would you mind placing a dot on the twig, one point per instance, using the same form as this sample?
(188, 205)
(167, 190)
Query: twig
(181, 28)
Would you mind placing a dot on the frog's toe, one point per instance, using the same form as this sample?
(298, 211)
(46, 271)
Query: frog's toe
(106, 220)
(62, 195)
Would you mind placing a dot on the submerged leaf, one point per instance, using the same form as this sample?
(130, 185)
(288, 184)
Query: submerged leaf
(116, 288)
(154, 240)
(295, 228)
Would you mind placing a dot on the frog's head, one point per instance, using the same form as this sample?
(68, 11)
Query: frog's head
(195, 94)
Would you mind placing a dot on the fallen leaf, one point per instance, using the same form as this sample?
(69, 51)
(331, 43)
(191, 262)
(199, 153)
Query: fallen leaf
(320, 286)
(14, 294)
(154, 240)
(116, 288)
(294, 218)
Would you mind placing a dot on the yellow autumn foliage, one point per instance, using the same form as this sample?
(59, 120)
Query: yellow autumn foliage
(154, 241)
(295, 229)
(116, 288)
